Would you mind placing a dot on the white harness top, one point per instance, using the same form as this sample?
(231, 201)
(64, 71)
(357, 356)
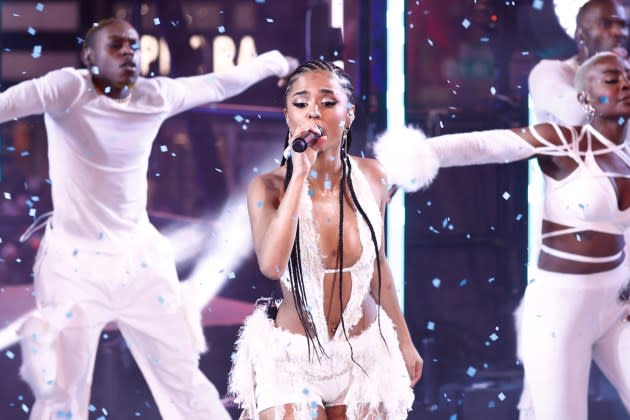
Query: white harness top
(587, 198)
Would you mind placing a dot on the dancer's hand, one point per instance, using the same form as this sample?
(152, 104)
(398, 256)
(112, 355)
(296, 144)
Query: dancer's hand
(413, 361)
(293, 63)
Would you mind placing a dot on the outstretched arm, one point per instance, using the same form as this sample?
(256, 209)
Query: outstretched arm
(188, 92)
(412, 161)
(53, 92)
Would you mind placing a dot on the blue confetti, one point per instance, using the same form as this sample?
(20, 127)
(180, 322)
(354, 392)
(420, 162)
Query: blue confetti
(10, 354)
(39, 7)
(37, 51)
(471, 371)
(31, 30)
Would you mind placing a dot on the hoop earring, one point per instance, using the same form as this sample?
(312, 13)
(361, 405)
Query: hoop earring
(589, 110)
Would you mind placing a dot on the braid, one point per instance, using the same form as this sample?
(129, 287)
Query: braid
(345, 163)
(355, 200)
(315, 65)
(297, 280)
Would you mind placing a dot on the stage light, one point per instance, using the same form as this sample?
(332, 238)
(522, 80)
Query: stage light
(566, 12)
(396, 118)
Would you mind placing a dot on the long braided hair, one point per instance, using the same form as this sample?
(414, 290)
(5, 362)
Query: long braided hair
(295, 263)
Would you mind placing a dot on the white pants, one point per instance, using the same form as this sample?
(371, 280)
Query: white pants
(78, 292)
(567, 321)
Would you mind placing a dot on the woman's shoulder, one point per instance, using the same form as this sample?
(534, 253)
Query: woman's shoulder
(555, 134)
(270, 182)
(371, 168)
(375, 175)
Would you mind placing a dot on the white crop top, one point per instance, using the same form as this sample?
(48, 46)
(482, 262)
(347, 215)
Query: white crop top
(313, 270)
(586, 199)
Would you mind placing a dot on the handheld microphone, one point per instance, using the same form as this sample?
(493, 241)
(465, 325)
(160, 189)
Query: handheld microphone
(301, 143)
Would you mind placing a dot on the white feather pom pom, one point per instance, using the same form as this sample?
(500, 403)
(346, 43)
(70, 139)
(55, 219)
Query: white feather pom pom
(407, 157)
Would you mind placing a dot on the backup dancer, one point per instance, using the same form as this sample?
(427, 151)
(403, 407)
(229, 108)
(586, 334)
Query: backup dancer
(575, 307)
(101, 260)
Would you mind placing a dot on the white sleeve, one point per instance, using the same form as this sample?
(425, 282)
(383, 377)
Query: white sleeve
(552, 91)
(188, 92)
(480, 147)
(412, 161)
(53, 92)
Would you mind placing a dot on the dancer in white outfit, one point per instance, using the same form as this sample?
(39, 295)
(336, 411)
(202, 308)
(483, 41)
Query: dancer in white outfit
(339, 347)
(101, 260)
(601, 25)
(575, 307)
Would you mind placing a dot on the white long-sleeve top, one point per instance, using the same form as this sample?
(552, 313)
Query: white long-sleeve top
(99, 148)
(555, 98)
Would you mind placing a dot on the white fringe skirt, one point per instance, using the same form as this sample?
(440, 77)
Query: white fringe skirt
(272, 368)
